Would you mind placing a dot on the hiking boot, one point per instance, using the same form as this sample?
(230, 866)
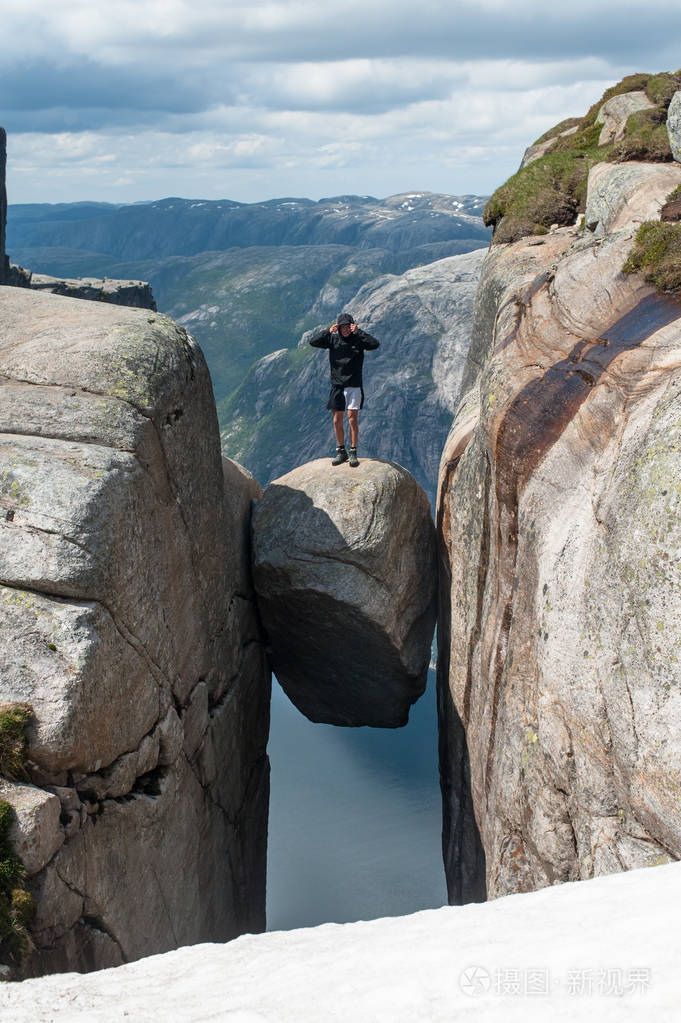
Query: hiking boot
(341, 456)
(354, 460)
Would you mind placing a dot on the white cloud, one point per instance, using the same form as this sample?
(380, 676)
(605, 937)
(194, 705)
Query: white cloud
(169, 95)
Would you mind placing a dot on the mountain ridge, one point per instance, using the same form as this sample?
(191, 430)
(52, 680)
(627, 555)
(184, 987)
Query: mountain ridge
(142, 231)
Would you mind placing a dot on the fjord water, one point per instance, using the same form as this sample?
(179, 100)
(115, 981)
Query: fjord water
(355, 818)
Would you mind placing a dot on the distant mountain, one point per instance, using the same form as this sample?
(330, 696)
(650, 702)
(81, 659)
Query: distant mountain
(185, 227)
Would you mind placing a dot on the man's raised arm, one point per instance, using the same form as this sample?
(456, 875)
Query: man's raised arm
(322, 339)
(368, 342)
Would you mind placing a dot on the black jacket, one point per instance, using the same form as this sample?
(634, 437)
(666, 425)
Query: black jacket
(346, 355)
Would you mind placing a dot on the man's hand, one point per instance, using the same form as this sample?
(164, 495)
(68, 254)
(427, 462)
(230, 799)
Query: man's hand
(353, 328)
(333, 329)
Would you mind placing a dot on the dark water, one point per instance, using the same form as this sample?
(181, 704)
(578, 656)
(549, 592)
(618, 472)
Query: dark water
(355, 818)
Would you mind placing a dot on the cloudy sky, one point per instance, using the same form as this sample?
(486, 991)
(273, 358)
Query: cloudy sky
(126, 100)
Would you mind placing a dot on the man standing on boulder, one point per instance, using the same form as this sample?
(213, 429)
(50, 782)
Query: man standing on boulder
(346, 344)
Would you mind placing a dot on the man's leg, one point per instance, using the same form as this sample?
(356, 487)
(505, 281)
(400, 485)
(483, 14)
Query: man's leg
(341, 454)
(354, 434)
(338, 429)
(353, 413)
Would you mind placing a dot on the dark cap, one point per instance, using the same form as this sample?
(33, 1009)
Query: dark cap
(344, 318)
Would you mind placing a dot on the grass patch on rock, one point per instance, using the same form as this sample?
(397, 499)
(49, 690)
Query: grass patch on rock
(548, 191)
(16, 902)
(13, 720)
(660, 88)
(657, 255)
(552, 133)
(646, 138)
(552, 189)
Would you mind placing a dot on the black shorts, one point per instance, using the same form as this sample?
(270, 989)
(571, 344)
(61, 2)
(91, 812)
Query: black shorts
(336, 402)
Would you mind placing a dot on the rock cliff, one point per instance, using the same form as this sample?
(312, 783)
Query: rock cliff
(628, 123)
(560, 525)
(136, 294)
(4, 262)
(128, 624)
(344, 566)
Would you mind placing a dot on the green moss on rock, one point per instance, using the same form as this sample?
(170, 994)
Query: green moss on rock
(541, 194)
(635, 83)
(16, 902)
(13, 720)
(657, 255)
(23, 906)
(552, 189)
(660, 88)
(582, 144)
(646, 138)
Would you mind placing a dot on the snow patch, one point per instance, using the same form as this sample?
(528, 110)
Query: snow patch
(591, 950)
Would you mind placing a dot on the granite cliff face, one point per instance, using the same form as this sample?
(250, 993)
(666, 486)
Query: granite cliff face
(4, 262)
(136, 294)
(128, 624)
(560, 524)
(278, 419)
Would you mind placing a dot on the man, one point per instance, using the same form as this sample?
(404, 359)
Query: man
(346, 344)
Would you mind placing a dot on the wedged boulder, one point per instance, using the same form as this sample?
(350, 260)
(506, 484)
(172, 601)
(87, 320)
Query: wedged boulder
(560, 518)
(345, 575)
